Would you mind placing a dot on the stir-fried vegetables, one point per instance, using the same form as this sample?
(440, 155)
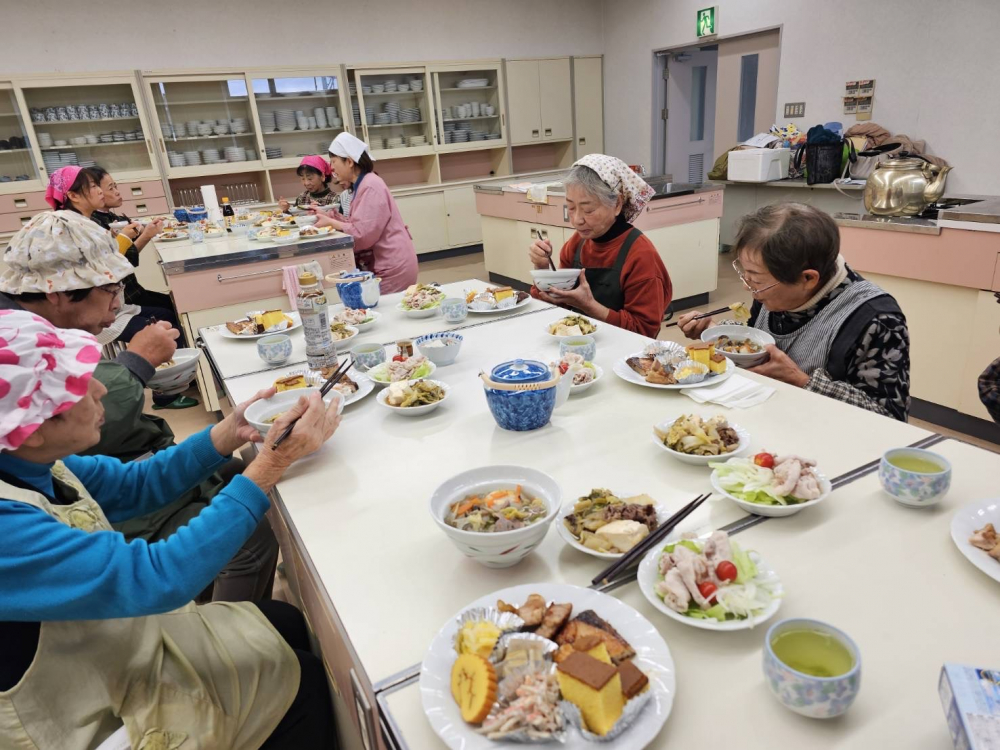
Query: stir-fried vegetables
(500, 510)
(414, 393)
(700, 437)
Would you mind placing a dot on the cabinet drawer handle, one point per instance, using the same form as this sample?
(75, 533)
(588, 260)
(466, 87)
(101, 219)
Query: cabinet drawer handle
(583, 141)
(25, 220)
(20, 203)
(222, 279)
(136, 192)
(534, 133)
(650, 209)
(548, 132)
(140, 208)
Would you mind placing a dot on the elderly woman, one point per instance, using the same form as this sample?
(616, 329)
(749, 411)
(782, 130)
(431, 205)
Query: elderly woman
(624, 281)
(382, 243)
(837, 334)
(96, 631)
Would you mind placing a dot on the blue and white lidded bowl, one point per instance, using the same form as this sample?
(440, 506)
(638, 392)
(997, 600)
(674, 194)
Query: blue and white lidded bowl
(521, 410)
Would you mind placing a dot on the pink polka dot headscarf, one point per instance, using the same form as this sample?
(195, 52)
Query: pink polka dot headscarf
(44, 371)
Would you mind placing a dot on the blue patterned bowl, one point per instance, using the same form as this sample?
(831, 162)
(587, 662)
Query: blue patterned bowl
(585, 346)
(521, 410)
(815, 697)
(275, 349)
(440, 355)
(367, 356)
(358, 291)
(914, 488)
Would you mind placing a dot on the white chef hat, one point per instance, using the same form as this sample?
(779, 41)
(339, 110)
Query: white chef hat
(346, 146)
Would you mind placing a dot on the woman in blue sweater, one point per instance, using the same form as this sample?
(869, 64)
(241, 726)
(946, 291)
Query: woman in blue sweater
(96, 632)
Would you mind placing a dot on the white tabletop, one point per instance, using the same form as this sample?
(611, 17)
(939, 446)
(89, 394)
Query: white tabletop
(372, 481)
(889, 576)
(234, 357)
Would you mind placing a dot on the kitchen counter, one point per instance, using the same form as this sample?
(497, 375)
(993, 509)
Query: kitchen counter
(185, 256)
(664, 185)
(798, 182)
(890, 223)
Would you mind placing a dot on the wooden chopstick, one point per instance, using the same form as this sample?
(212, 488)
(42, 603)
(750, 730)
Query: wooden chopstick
(330, 382)
(634, 555)
(699, 317)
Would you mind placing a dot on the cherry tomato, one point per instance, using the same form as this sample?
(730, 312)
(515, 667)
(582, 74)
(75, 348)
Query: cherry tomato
(563, 368)
(398, 358)
(764, 459)
(708, 589)
(726, 571)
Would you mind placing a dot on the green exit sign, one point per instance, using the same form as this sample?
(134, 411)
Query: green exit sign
(707, 18)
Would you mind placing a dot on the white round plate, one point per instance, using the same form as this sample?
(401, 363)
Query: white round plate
(575, 335)
(365, 385)
(412, 411)
(181, 236)
(970, 518)
(687, 458)
(517, 305)
(332, 310)
(652, 657)
(349, 341)
(428, 313)
(598, 374)
(622, 370)
(774, 511)
(648, 576)
(662, 514)
(384, 383)
(226, 333)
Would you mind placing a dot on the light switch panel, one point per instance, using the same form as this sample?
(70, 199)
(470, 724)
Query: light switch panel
(795, 109)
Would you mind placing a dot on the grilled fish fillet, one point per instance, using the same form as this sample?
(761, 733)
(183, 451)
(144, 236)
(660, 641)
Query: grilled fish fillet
(588, 623)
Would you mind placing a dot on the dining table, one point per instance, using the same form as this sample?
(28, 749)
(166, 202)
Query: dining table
(377, 579)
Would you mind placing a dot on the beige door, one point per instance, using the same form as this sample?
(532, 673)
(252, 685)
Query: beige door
(746, 88)
(588, 105)
(556, 99)
(462, 217)
(424, 215)
(524, 114)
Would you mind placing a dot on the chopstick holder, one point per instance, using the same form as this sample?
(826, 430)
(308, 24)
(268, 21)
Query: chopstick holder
(633, 556)
(330, 382)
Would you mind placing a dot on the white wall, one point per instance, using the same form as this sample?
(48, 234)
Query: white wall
(69, 35)
(936, 66)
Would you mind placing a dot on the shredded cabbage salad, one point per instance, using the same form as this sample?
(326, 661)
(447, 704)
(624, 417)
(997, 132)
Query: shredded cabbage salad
(744, 479)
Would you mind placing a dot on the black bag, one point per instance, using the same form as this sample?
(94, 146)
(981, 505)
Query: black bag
(823, 161)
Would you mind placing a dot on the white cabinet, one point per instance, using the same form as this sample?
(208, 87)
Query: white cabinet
(984, 327)
(462, 217)
(539, 100)
(425, 217)
(588, 105)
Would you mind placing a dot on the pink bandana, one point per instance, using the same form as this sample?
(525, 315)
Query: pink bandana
(319, 164)
(618, 176)
(59, 184)
(44, 371)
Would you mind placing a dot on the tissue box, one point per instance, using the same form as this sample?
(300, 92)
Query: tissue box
(758, 164)
(971, 700)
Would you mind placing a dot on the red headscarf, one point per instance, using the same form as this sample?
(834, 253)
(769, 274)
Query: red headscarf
(59, 184)
(318, 163)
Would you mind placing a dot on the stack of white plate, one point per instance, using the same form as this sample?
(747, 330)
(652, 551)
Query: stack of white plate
(192, 127)
(392, 108)
(267, 122)
(91, 140)
(80, 140)
(235, 153)
(460, 136)
(272, 152)
(205, 128)
(366, 89)
(478, 135)
(370, 114)
(87, 163)
(52, 161)
(44, 140)
(353, 87)
(417, 140)
(403, 87)
(211, 156)
(377, 88)
(193, 158)
(177, 159)
(118, 136)
(221, 129)
(357, 113)
(473, 83)
(410, 114)
(396, 142)
(332, 114)
(69, 157)
(416, 84)
(383, 118)
(250, 154)
(494, 137)
(320, 116)
(376, 144)
(390, 86)
(239, 125)
(284, 119)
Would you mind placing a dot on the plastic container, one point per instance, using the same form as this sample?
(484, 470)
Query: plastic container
(759, 164)
(311, 304)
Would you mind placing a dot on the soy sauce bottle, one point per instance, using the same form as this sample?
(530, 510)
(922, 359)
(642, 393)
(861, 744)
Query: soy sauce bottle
(228, 215)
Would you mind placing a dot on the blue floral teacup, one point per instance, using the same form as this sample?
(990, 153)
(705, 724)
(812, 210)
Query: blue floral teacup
(815, 697)
(454, 309)
(916, 489)
(275, 349)
(367, 356)
(585, 346)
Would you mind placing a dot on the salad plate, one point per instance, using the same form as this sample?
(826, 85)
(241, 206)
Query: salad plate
(765, 590)
(380, 373)
(689, 458)
(652, 657)
(581, 387)
(421, 301)
(622, 370)
(969, 519)
(743, 474)
(426, 312)
(369, 322)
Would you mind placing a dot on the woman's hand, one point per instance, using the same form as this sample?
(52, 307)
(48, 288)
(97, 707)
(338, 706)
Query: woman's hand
(152, 229)
(322, 220)
(781, 367)
(283, 204)
(131, 230)
(693, 328)
(581, 298)
(540, 253)
(234, 430)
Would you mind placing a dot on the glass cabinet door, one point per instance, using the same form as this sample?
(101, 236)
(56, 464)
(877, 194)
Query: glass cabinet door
(89, 125)
(206, 125)
(393, 110)
(469, 112)
(298, 115)
(18, 170)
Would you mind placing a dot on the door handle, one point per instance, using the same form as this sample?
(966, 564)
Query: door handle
(149, 147)
(650, 209)
(163, 149)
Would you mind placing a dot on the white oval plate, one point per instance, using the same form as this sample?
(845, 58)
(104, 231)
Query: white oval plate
(384, 383)
(496, 311)
(365, 385)
(181, 236)
(662, 514)
(687, 458)
(652, 657)
(334, 309)
(412, 411)
(648, 576)
(966, 520)
(349, 341)
(575, 335)
(226, 333)
(622, 370)
(774, 511)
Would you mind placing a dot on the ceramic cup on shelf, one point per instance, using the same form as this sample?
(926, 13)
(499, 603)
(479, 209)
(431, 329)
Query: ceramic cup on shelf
(275, 349)
(585, 346)
(367, 356)
(454, 309)
(820, 648)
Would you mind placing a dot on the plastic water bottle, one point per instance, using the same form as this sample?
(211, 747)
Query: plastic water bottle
(311, 304)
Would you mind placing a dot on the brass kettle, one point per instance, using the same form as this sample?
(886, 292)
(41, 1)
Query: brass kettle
(904, 185)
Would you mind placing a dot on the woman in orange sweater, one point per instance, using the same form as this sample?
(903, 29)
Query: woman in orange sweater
(624, 281)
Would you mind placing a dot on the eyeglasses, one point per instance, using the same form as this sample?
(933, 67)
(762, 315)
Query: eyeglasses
(113, 289)
(742, 274)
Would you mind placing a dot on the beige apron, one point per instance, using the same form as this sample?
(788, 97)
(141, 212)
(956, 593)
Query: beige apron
(212, 676)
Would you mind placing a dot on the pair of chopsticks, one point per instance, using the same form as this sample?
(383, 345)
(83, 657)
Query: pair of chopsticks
(699, 317)
(633, 556)
(341, 370)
